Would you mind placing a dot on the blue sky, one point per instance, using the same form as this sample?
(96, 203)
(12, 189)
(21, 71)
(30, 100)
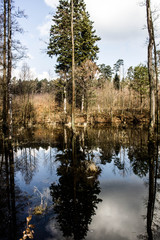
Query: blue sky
(119, 23)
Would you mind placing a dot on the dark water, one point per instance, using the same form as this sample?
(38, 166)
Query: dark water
(101, 184)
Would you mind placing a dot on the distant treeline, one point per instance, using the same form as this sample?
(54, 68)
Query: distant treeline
(99, 90)
(88, 83)
(32, 86)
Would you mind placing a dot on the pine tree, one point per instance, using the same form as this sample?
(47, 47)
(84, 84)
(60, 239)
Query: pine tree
(62, 37)
(60, 42)
(140, 82)
(105, 74)
(116, 82)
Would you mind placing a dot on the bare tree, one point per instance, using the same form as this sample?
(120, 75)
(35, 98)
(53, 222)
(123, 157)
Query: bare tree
(7, 67)
(10, 26)
(4, 114)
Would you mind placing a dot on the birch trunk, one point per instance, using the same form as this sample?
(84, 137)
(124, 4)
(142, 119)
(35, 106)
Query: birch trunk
(150, 68)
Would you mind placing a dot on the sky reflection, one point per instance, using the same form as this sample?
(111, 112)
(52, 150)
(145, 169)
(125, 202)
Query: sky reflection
(108, 203)
(120, 215)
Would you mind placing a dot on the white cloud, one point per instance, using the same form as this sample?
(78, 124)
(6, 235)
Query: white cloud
(45, 27)
(114, 19)
(119, 216)
(119, 23)
(43, 75)
(33, 73)
(15, 73)
(117, 19)
(51, 3)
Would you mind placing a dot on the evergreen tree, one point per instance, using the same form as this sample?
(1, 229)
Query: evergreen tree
(118, 64)
(105, 74)
(130, 76)
(118, 68)
(60, 43)
(141, 80)
(61, 39)
(116, 82)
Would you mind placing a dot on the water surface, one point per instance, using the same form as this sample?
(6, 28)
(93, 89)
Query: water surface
(94, 185)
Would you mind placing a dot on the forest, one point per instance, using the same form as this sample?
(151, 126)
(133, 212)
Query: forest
(94, 93)
(79, 154)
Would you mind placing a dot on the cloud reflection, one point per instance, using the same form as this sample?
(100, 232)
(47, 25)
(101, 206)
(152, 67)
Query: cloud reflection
(119, 216)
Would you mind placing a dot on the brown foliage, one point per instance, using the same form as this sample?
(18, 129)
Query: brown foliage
(28, 232)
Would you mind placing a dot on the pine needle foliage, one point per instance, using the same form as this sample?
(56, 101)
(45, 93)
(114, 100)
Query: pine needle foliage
(60, 44)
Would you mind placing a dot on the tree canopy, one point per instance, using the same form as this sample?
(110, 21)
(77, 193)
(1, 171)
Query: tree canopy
(85, 39)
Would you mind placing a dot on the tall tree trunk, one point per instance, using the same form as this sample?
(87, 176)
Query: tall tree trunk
(65, 94)
(9, 97)
(73, 70)
(151, 199)
(153, 171)
(156, 73)
(4, 69)
(150, 68)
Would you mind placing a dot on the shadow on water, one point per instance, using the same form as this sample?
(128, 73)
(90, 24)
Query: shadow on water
(153, 208)
(84, 175)
(75, 197)
(153, 201)
(13, 202)
(7, 193)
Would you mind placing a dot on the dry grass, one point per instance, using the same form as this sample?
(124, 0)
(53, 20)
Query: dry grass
(107, 101)
(110, 100)
(43, 107)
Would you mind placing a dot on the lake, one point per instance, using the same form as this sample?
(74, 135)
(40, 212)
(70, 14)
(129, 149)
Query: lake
(100, 184)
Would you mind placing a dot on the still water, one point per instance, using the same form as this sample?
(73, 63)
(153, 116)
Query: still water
(100, 184)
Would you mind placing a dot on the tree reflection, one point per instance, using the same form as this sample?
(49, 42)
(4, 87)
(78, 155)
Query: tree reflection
(139, 160)
(153, 167)
(26, 163)
(153, 201)
(13, 202)
(116, 146)
(75, 197)
(7, 193)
